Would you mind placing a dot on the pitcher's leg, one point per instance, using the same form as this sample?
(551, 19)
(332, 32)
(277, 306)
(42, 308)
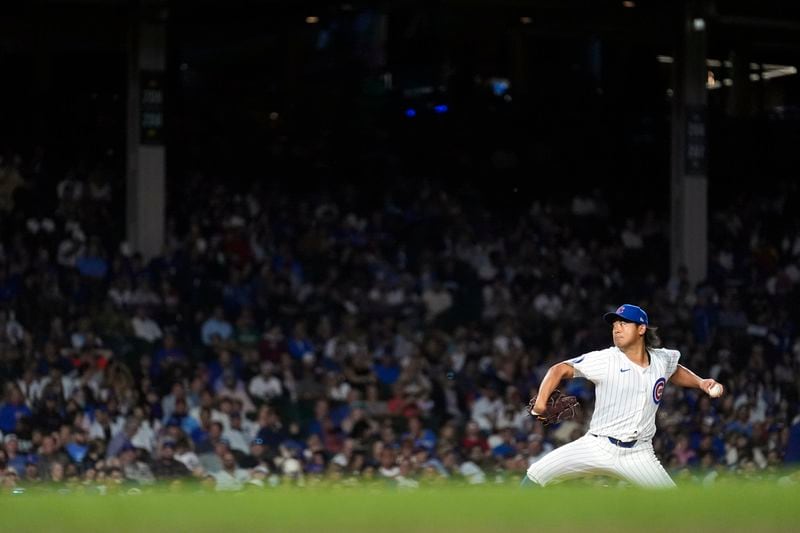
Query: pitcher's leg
(578, 458)
(641, 467)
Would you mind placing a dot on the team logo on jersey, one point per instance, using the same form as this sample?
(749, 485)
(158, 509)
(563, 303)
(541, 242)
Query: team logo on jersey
(577, 360)
(658, 390)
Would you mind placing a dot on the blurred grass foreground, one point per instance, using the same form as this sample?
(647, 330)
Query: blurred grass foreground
(730, 505)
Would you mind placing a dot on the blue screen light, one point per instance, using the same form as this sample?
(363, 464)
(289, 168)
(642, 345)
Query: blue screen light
(500, 86)
(410, 113)
(440, 108)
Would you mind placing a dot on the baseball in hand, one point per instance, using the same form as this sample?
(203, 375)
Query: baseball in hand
(715, 391)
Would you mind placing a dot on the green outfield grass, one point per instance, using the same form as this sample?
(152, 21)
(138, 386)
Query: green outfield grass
(726, 507)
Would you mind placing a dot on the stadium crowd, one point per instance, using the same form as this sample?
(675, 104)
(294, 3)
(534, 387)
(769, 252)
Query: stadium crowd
(285, 338)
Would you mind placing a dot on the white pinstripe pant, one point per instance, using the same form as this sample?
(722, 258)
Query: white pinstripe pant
(596, 455)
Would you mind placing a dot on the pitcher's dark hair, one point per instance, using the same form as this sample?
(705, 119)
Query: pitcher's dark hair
(651, 338)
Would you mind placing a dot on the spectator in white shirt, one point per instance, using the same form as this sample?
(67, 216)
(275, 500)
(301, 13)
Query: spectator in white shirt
(29, 385)
(229, 386)
(185, 455)
(120, 292)
(177, 392)
(104, 427)
(266, 385)
(437, 300)
(144, 327)
(512, 416)
(487, 410)
(230, 477)
(236, 435)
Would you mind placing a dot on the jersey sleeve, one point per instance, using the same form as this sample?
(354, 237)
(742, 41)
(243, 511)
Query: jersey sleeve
(591, 365)
(672, 361)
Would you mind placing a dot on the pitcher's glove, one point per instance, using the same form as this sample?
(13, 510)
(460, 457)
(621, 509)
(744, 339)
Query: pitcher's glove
(559, 408)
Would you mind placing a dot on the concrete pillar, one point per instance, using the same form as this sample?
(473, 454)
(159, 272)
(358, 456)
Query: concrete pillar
(146, 155)
(689, 186)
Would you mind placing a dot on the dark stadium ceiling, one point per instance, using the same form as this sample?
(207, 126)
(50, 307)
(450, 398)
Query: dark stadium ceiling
(752, 15)
(770, 29)
(777, 9)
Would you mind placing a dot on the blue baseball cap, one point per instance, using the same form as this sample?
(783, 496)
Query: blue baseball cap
(629, 313)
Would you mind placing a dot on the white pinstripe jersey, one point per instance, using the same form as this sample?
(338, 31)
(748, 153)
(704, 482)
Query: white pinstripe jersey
(627, 396)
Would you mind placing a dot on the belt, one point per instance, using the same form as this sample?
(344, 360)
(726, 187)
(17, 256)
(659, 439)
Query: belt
(617, 442)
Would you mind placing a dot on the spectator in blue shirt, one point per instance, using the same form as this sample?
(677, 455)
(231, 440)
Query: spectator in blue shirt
(170, 355)
(741, 424)
(12, 410)
(188, 424)
(77, 448)
(92, 264)
(217, 325)
(299, 343)
(9, 285)
(15, 459)
(421, 436)
(506, 445)
(387, 370)
(793, 446)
